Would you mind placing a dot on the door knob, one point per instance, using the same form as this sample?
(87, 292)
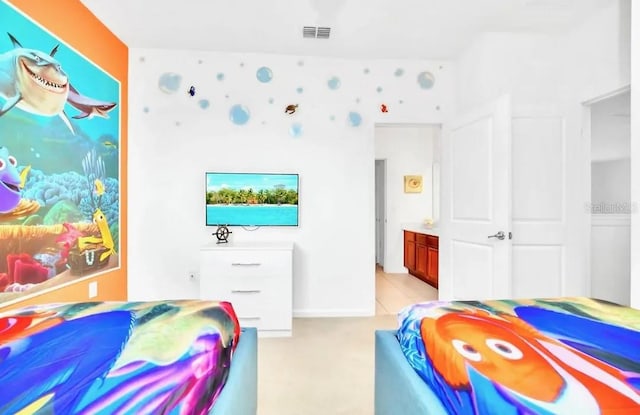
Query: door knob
(499, 235)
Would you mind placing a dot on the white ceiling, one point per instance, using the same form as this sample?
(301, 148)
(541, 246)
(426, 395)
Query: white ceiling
(430, 29)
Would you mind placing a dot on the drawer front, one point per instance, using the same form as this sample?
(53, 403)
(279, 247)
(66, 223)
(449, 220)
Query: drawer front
(246, 263)
(251, 288)
(262, 311)
(421, 238)
(432, 241)
(409, 236)
(272, 320)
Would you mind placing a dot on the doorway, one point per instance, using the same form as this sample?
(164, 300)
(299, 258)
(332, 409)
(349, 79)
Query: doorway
(401, 150)
(380, 210)
(611, 207)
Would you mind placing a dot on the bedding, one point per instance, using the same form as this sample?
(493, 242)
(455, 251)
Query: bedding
(170, 357)
(531, 356)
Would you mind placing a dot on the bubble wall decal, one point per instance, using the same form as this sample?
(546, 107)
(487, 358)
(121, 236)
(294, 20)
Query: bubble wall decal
(169, 82)
(300, 63)
(332, 118)
(366, 70)
(271, 100)
(220, 76)
(426, 80)
(379, 89)
(299, 90)
(399, 72)
(295, 130)
(334, 83)
(145, 109)
(354, 119)
(204, 103)
(264, 74)
(142, 59)
(239, 114)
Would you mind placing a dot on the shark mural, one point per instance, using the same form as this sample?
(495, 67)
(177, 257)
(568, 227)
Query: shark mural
(59, 161)
(35, 82)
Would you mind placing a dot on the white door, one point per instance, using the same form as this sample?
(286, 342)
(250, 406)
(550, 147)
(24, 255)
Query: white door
(540, 233)
(475, 247)
(380, 210)
(505, 170)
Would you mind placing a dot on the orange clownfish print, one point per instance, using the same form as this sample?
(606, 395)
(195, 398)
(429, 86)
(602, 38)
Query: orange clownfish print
(383, 108)
(530, 367)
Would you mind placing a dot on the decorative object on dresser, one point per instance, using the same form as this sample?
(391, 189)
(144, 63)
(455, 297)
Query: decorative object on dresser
(222, 233)
(421, 256)
(256, 278)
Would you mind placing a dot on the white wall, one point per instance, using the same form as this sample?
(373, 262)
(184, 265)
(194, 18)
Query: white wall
(173, 141)
(635, 155)
(610, 128)
(408, 151)
(610, 258)
(556, 73)
(610, 186)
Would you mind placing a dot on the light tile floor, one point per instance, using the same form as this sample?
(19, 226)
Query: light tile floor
(395, 291)
(327, 366)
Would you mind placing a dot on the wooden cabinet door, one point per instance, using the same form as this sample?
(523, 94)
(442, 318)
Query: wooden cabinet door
(432, 261)
(409, 250)
(410, 255)
(421, 260)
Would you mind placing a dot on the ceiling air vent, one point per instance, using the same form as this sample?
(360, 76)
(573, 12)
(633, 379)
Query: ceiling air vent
(316, 32)
(323, 32)
(309, 31)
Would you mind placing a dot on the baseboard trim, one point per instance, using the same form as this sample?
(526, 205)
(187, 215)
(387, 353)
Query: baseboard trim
(334, 313)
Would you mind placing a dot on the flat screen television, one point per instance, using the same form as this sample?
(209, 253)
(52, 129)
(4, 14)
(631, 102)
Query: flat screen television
(251, 199)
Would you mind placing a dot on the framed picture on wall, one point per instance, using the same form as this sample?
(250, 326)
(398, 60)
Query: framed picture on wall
(413, 184)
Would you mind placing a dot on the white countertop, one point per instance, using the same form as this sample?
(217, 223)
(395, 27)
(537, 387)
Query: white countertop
(420, 228)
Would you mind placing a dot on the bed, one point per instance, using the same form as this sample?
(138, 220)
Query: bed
(172, 357)
(530, 356)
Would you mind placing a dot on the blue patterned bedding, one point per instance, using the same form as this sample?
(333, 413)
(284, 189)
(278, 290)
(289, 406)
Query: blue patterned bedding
(170, 357)
(574, 356)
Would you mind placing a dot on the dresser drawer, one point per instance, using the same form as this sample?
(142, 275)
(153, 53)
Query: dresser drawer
(240, 290)
(268, 320)
(247, 263)
(255, 309)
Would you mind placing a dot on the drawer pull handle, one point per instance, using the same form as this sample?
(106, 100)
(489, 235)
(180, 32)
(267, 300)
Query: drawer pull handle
(245, 291)
(248, 318)
(245, 264)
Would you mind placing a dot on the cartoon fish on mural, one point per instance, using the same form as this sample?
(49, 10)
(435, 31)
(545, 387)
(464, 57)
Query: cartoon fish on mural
(23, 176)
(36, 83)
(99, 187)
(10, 181)
(106, 239)
(90, 107)
(110, 144)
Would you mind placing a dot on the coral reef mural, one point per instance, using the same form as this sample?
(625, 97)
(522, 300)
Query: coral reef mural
(59, 161)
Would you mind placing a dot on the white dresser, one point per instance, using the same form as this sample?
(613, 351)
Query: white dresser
(256, 278)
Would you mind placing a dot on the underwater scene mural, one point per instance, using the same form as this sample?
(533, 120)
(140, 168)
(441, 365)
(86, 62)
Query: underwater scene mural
(59, 161)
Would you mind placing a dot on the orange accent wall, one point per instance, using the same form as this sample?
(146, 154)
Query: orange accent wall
(73, 23)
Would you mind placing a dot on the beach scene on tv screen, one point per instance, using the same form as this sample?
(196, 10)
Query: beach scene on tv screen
(252, 199)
